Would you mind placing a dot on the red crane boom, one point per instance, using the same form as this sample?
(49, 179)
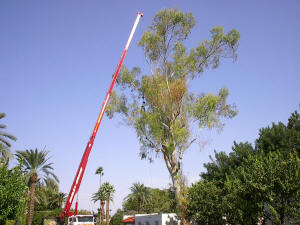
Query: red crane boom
(84, 159)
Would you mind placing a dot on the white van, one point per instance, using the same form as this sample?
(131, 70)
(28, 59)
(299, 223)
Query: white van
(81, 220)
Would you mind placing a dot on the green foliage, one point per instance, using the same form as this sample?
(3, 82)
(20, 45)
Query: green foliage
(99, 171)
(35, 165)
(109, 190)
(205, 203)
(100, 195)
(40, 215)
(294, 121)
(140, 194)
(252, 183)
(36, 162)
(5, 155)
(268, 185)
(159, 105)
(117, 218)
(4, 136)
(224, 164)
(12, 193)
(157, 201)
(161, 201)
(45, 195)
(278, 138)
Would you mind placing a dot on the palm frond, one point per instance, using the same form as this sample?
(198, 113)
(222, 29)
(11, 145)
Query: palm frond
(2, 115)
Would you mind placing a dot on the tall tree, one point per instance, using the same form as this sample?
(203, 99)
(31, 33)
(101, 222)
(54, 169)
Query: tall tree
(4, 136)
(100, 195)
(99, 171)
(35, 164)
(139, 193)
(110, 190)
(160, 106)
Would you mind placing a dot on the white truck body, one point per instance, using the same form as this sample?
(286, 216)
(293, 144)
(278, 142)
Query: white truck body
(81, 220)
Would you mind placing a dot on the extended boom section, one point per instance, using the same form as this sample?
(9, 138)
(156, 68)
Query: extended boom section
(84, 160)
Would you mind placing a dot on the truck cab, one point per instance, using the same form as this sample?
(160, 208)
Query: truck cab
(81, 220)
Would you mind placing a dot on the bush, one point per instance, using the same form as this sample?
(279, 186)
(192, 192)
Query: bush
(38, 216)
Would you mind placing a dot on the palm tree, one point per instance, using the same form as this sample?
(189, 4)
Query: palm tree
(58, 199)
(35, 164)
(109, 189)
(100, 195)
(140, 193)
(46, 192)
(5, 155)
(3, 135)
(100, 172)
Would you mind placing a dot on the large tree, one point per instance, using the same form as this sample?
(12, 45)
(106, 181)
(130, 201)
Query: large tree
(160, 106)
(99, 171)
(100, 196)
(35, 164)
(266, 186)
(110, 190)
(105, 193)
(252, 183)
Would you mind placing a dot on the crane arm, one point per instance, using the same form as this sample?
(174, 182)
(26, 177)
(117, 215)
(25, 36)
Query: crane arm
(80, 171)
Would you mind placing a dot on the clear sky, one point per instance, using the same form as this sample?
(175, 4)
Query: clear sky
(56, 63)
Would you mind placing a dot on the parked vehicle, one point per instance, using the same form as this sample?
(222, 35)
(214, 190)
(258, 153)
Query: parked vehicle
(82, 219)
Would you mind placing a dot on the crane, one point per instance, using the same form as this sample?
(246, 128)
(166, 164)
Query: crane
(80, 171)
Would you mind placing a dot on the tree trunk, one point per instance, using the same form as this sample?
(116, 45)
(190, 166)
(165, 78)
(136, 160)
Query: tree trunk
(139, 204)
(107, 212)
(100, 209)
(102, 212)
(181, 198)
(33, 179)
(99, 217)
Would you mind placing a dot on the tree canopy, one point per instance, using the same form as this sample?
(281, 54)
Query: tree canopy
(252, 183)
(36, 166)
(159, 105)
(152, 200)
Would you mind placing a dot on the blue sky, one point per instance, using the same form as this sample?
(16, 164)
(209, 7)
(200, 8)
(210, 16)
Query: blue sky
(56, 62)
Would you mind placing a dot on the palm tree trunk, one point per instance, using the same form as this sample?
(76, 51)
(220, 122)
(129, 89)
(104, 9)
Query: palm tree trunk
(99, 217)
(102, 212)
(107, 212)
(139, 204)
(33, 179)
